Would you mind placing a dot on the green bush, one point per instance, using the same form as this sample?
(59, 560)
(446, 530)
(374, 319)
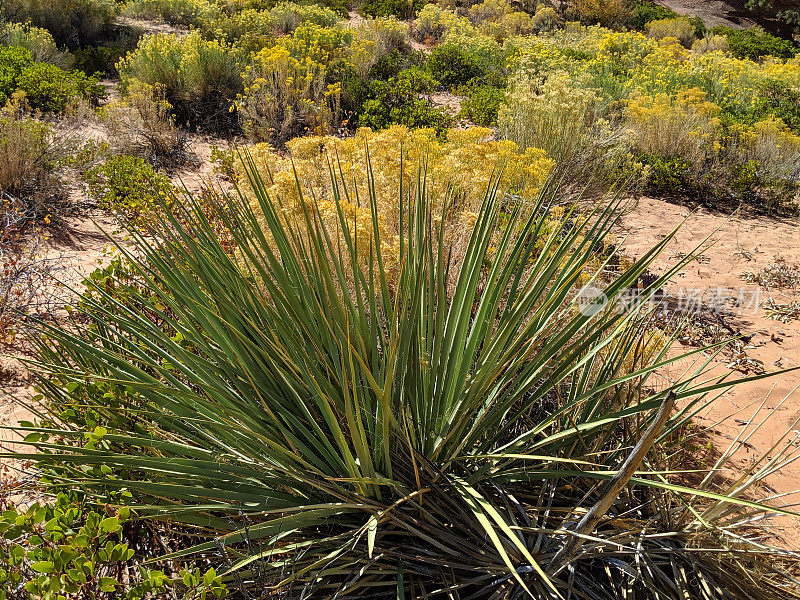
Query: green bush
(39, 42)
(130, 186)
(645, 11)
(13, 60)
(73, 23)
(404, 100)
(51, 89)
(402, 9)
(99, 59)
(70, 549)
(781, 101)
(481, 102)
(46, 86)
(451, 65)
(199, 78)
(755, 43)
(669, 175)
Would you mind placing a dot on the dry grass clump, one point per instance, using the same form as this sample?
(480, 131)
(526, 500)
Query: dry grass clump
(778, 275)
(143, 125)
(31, 153)
(782, 312)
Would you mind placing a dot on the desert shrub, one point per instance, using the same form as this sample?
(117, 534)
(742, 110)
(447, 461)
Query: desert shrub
(30, 157)
(681, 29)
(285, 96)
(71, 548)
(39, 42)
(72, 23)
(287, 16)
(451, 65)
(646, 11)
(129, 186)
(143, 125)
(776, 150)
(481, 102)
(248, 30)
(489, 10)
(608, 13)
(383, 35)
(546, 18)
(535, 109)
(514, 24)
(402, 9)
(47, 87)
(781, 101)
(287, 89)
(199, 78)
(755, 43)
(669, 175)
(51, 89)
(103, 57)
(497, 18)
(404, 100)
(13, 60)
(433, 21)
(686, 127)
(711, 43)
(306, 397)
(185, 13)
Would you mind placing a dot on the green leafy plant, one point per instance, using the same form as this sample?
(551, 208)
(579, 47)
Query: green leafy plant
(646, 11)
(129, 185)
(69, 549)
(52, 89)
(481, 102)
(755, 43)
(670, 175)
(39, 42)
(13, 60)
(403, 9)
(465, 424)
(403, 100)
(451, 65)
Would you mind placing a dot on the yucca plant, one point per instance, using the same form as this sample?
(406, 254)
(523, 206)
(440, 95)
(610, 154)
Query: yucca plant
(463, 427)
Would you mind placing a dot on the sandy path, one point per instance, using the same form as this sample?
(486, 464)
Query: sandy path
(742, 244)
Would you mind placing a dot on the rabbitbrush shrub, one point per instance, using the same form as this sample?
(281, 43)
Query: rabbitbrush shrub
(464, 428)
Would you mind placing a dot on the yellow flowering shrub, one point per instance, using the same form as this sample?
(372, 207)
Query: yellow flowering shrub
(285, 96)
(459, 167)
(680, 28)
(687, 126)
(554, 113)
(776, 149)
(433, 22)
(285, 88)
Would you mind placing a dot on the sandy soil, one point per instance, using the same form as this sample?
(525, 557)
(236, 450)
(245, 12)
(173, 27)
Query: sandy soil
(741, 244)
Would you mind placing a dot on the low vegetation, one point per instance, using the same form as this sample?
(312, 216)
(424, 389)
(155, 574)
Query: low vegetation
(388, 349)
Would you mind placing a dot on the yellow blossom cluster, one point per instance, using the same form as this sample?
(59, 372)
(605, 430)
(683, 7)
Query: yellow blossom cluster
(459, 168)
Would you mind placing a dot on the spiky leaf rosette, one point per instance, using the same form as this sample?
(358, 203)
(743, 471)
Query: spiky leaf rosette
(335, 431)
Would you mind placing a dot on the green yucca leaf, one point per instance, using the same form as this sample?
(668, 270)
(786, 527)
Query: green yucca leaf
(351, 431)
